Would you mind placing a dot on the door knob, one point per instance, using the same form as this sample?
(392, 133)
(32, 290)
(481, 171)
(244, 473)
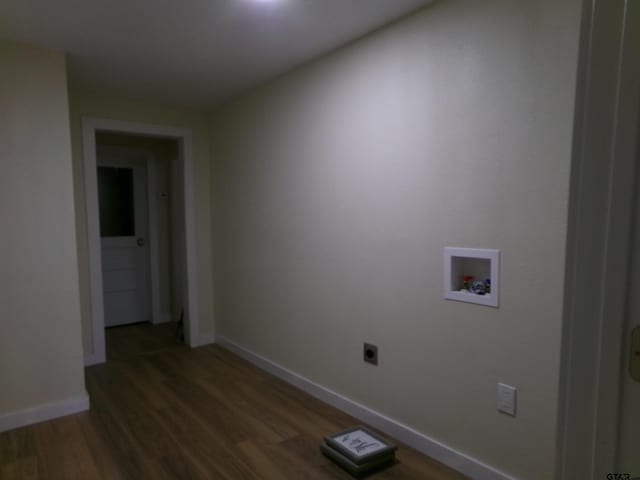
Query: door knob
(140, 242)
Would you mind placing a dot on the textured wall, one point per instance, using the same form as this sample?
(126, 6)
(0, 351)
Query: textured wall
(336, 187)
(40, 343)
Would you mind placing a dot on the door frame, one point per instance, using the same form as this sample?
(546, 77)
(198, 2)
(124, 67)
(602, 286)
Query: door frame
(91, 125)
(601, 209)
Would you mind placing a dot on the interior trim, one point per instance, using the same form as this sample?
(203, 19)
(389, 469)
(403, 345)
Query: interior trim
(40, 413)
(403, 433)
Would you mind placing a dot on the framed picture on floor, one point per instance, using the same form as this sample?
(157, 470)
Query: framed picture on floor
(360, 445)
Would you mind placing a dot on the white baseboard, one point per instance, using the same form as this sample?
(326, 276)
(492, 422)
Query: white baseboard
(164, 317)
(48, 411)
(434, 449)
(204, 339)
(92, 360)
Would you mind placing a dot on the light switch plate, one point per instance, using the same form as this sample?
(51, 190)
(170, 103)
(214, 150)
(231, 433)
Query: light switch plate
(507, 399)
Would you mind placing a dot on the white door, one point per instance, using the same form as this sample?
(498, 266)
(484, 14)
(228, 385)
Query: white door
(122, 195)
(628, 462)
(629, 441)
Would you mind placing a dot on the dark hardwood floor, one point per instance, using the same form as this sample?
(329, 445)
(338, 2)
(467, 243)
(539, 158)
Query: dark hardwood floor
(160, 410)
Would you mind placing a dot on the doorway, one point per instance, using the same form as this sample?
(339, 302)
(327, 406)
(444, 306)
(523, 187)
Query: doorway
(628, 455)
(625, 350)
(596, 402)
(125, 279)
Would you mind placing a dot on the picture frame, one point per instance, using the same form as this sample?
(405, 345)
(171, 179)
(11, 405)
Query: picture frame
(357, 470)
(360, 445)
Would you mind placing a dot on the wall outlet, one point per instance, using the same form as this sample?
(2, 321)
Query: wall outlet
(370, 353)
(507, 399)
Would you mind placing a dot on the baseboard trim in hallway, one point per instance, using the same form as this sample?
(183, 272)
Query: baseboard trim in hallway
(40, 413)
(434, 449)
(203, 339)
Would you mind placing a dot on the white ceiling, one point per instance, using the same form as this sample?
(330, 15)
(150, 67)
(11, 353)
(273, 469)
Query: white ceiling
(191, 52)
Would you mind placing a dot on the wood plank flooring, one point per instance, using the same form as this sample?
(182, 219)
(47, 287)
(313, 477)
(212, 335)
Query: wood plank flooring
(160, 410)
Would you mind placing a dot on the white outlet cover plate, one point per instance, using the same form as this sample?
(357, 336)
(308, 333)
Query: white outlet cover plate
(507, 398)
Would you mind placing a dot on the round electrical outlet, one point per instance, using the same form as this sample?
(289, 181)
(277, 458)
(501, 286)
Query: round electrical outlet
(371, 353)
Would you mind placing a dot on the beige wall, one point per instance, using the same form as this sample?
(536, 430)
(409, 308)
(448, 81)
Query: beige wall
(103, 106)
(40, 346)
(336, 188)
